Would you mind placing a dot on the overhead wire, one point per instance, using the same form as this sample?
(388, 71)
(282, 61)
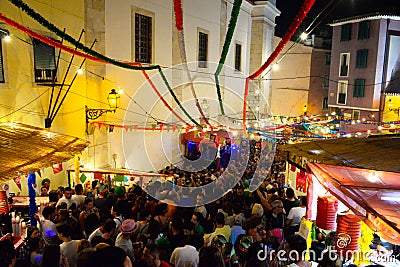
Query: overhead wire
(23, 106)
(286, 53)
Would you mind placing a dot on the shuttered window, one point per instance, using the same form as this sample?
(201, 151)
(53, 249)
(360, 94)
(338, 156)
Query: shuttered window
(203, 50)
(359, 88)
(363, 29)
(344, 64)
(238, 57)
(327, 59)
(361, 59)
(342, 92)
(1, 63)
(45, 63)
(143, 38)
(325, 83)
(345, 32)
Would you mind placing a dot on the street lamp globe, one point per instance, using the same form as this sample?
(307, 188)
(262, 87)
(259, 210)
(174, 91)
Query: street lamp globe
(113, 99)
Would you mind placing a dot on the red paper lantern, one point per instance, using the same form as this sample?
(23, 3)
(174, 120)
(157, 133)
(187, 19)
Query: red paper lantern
(4, 203)
(347, 233)
(327, 208)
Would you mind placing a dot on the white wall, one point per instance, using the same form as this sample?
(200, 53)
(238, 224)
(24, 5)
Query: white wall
(205, 15)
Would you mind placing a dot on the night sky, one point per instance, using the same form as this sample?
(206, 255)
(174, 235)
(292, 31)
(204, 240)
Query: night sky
(338, 9)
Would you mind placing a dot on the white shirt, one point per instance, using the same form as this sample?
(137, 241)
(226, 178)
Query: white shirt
(202, 210)
(70, 250)
(96, 232)
(126, 245)
(48, 230)
(81, 199)
(295, 214)
(69, 202)
(186, 256)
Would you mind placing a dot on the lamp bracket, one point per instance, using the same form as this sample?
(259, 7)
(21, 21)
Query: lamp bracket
(95, 113)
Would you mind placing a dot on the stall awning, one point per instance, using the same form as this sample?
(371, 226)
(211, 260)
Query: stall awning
(24, 148)
(372, 195)
(379, 152)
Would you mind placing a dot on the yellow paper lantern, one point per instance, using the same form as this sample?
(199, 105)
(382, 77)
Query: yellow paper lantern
(367, 235)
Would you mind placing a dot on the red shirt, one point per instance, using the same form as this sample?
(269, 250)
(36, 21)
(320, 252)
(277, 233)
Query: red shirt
(165, 264)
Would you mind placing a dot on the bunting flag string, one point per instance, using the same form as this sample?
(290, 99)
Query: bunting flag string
(91, 54)
(286, 38)
(181, 41)
(40, 19)
(158, 93)
(58, 45)
(225, 49)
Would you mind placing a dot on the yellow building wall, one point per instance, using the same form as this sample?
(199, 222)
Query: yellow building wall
(23, 100)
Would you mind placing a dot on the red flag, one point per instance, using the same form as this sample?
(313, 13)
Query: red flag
(17, 181)
(57, 168)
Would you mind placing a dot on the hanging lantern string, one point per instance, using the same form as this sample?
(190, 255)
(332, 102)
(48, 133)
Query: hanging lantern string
(181, 40)
(91, 54)
(286, 38)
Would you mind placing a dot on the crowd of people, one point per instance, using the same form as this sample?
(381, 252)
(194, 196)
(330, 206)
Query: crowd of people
(163, 226)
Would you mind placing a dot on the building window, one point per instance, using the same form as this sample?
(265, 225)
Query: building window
(345, 32)
(203, 50)
(342, 92)
(328, 59)
(359, 88)
(356, 114)
(45, 62)
(363, 29)
(143, 38)
(1, 61)
(361, 59)
(238, 57)
(325, 103)
(325, 83)
(344, 64)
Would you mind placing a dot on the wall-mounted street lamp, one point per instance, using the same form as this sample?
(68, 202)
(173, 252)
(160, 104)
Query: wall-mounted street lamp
(95, 113)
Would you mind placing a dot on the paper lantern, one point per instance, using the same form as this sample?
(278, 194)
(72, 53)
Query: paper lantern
(327, 208)
(4, 209)
(347, 234)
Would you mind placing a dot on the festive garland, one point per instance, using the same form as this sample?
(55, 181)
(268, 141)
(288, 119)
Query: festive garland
(286, 38)
(74, 52)
(176, 98)
(178, 15)
(225, 49)
(45, 23)
(245, 96)
(32, 198)
(162, 98)
(95, 56)
(181, 41)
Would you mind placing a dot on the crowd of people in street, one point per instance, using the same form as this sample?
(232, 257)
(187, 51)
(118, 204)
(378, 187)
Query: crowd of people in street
(101, 226)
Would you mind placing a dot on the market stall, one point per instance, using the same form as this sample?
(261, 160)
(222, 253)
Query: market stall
(373, 196)
(24, 151)
(353, 188)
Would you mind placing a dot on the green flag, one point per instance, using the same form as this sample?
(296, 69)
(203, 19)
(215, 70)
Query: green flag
(82, 178)
(119, 178)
